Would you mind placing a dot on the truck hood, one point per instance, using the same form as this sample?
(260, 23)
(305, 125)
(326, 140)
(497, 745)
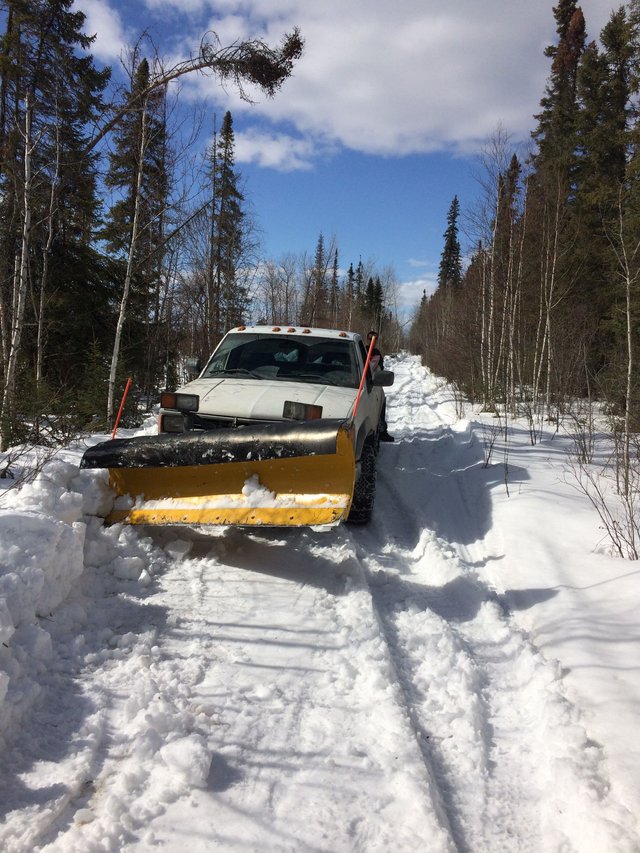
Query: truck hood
(264, 400)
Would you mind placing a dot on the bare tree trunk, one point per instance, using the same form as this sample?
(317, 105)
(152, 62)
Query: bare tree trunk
(20, 289)
(543, 357)
(5, 316)
(154, 344)
(550, 297)
(485, 344)
(627, 261)
(515, 361)
(213, 281)
(540, 341)
(135, 228)
(501, 360)
(630, 368)
(490, 369)
(45, 264)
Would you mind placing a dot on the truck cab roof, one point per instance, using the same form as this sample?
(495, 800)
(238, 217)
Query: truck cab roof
(296, 330)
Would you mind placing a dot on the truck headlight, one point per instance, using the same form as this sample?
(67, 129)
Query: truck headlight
(171, 423)
(181, 402)
(301, 411)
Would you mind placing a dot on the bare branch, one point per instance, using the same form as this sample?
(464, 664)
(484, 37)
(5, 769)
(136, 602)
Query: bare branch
(251, 62)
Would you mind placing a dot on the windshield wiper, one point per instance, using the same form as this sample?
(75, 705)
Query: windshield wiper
(242, 370)
(232, 370)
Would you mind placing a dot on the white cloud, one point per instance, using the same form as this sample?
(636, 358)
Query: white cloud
(231, 28)
(417, 263)
(409, 293)
(414, 76)
(105, 22)
(275, 151)
(183, 5)
(406, 77)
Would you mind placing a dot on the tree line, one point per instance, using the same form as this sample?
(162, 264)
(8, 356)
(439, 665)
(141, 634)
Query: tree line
(313, 289)
(547, 307)
(544, 321)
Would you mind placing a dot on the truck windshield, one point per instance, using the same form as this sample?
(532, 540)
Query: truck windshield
(289, 358)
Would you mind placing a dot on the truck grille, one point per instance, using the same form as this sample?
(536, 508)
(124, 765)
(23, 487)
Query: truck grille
(213, 422)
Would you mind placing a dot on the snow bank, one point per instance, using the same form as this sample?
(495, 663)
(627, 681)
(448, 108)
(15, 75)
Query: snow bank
(44, 529)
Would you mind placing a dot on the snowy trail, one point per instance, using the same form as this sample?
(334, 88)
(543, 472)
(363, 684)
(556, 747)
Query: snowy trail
(357, 689)
(503, 741)
(311, 749)
(265, 654)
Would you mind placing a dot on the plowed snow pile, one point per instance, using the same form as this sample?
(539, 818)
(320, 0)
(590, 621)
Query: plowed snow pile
(460, 675)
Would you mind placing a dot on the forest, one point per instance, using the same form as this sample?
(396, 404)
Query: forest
(540, 321)
(122, 251)
(541, 317)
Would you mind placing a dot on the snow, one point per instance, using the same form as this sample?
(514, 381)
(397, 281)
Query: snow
(460, 675)
(253, 494)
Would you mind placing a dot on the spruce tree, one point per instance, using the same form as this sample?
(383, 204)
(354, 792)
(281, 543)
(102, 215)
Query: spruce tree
(350, 294)
(334, 296)
(555, 133)
(228, 235)
(316, 309)
(360, 289)
(552, 269)
(604, 95)
(450, 269)
(125, 163)
(136, 172)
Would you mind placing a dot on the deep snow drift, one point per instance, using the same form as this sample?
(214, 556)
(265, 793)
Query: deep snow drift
(460, 675)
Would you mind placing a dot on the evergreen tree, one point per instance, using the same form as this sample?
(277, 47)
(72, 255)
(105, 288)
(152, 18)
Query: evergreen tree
(555, 133)
(604, 91)
(359, 288)
(316, 302)
(370, 301)
(551, 267)
(50, 91)
(417, 334)
(450, 270)
(378, 304)
(228, 234)
(334, 296)
(374, 303)
(350, 296)
(134, 224)
(603, 140)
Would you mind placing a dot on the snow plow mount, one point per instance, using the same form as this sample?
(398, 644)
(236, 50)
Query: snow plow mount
(274, 474)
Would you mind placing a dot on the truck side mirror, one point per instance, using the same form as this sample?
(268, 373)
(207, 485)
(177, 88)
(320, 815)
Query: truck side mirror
(383, 378)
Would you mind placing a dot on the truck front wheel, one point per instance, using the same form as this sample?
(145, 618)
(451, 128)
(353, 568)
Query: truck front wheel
(364, 492)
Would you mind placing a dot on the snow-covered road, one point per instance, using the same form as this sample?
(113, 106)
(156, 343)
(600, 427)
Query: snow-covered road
(353, 689)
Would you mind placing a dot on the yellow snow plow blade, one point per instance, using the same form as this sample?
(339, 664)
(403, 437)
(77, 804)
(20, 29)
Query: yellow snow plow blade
(286, 475)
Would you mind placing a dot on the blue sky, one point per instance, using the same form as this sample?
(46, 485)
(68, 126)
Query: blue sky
(382, 122)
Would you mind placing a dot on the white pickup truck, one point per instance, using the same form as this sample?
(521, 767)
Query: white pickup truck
(283, 374)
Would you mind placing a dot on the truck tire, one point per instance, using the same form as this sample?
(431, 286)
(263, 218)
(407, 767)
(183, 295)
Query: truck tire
(364, 492)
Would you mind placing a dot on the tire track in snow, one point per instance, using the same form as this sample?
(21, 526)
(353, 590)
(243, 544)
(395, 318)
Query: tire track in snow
(503, 741)
(308, 711)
